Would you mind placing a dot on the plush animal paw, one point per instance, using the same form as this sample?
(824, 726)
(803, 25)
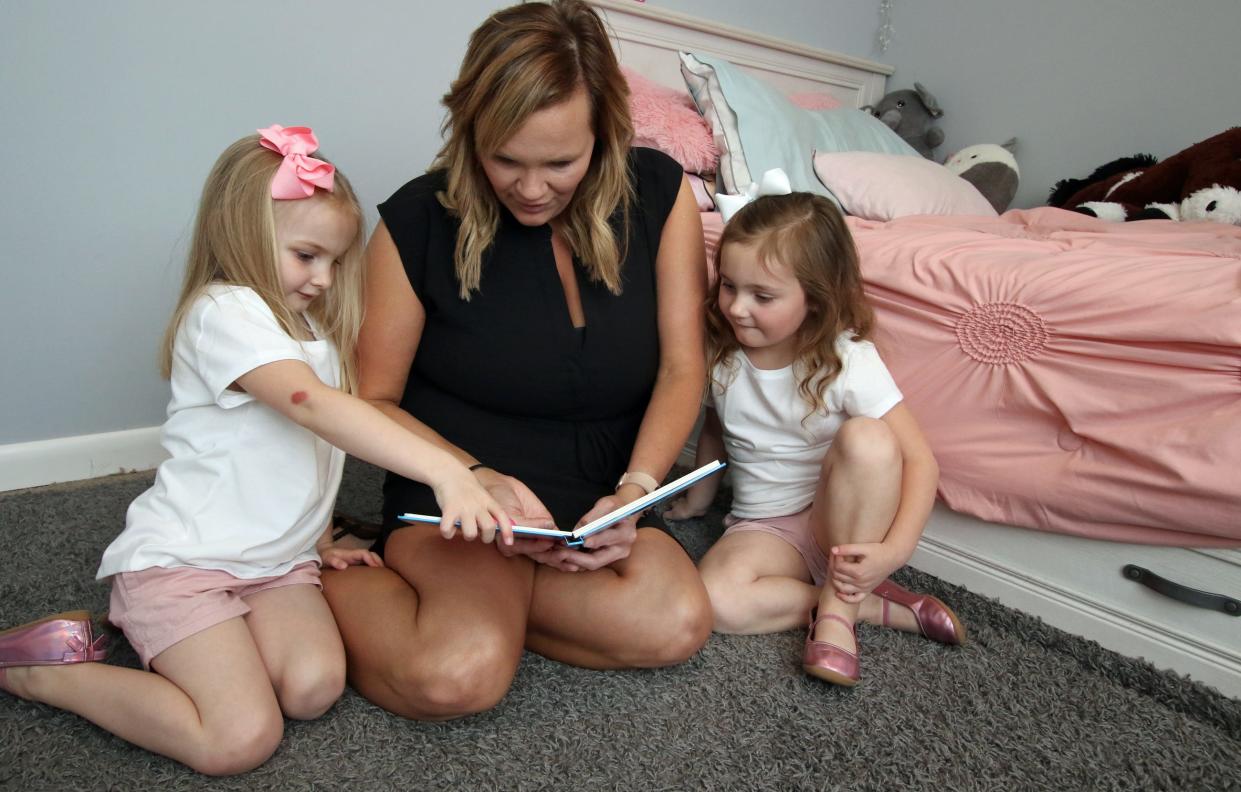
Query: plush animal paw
(1216, 203)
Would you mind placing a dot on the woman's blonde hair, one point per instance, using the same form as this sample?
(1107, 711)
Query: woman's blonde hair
(234, 242)
(806, 234)
(521, 60)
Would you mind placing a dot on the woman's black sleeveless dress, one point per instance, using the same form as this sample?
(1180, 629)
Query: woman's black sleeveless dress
(505, 375)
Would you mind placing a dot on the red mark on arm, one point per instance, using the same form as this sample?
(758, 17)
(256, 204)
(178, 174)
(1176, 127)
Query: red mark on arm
(298, 397)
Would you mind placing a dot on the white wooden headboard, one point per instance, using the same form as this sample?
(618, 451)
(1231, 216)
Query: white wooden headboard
(648, 39)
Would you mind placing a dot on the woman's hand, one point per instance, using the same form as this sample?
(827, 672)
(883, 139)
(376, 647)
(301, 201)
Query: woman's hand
(336, 557)
(856, 569)
(605, 547)
(466, 506)
(524, 507)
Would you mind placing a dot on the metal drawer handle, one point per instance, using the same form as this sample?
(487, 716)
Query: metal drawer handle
(1190, 596)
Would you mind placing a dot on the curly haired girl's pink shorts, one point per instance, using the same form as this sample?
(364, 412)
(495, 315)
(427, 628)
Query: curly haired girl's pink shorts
(159, 607)
(795, 530)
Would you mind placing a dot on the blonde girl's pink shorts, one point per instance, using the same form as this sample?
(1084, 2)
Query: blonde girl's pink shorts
(159, 607)
(793, 529)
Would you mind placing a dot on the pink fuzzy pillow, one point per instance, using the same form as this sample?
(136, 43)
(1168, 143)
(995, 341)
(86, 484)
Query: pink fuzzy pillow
(665, 119)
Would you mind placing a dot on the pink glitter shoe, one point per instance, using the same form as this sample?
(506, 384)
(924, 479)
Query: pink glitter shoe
(57, 640)
(935, 619)
(827, 661)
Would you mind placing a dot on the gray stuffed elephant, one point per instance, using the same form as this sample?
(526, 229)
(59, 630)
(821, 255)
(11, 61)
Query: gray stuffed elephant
(910, 114)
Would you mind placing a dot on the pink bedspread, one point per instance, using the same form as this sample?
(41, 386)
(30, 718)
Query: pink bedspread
(1072, 375)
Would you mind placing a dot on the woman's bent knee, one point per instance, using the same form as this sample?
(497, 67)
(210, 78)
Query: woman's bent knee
(677, 630)
(455, 684)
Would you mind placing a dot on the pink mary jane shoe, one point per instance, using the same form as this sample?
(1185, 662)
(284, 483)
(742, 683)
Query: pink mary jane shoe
(827, 661)
(935, 619)
(57, 640)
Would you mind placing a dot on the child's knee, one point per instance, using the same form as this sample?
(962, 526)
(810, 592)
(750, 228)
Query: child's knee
(864, 443)
(729, 608)
(242, 743)
(310, 688)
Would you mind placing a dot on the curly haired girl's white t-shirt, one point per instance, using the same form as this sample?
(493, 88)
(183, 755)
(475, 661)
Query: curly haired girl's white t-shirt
(245, 490)
(774, 456)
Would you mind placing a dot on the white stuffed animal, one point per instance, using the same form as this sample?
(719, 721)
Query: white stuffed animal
(990, 168)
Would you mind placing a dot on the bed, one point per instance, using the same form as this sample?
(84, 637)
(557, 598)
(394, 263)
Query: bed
(1079, 380)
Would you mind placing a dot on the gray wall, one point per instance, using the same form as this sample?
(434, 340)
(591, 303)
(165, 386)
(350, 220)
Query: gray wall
(1079, 83)
(111, 114)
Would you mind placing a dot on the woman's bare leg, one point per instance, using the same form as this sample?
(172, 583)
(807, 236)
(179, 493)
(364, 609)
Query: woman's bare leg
(438, 632)
(211, 706)
(647, 610)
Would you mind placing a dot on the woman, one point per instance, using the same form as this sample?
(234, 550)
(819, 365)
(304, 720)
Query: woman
(534, 307)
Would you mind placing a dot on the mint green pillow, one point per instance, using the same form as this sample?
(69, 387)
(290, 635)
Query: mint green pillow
(756, 128)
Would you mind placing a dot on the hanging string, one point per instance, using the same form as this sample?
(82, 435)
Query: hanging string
(883, 36)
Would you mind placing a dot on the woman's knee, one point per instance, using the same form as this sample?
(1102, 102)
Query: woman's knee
(456, 681)
(680, 624)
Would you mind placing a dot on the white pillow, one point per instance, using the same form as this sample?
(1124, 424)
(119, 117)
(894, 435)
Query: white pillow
(757, 128)
(887, 186)
(704, 87)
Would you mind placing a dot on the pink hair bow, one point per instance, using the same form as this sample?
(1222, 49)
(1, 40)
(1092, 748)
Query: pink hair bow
(300, 173)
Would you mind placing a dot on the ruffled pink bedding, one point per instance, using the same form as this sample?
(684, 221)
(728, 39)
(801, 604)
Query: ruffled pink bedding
(1072, 375)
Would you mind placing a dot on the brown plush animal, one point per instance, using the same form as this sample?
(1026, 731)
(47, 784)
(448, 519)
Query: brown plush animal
(1202, 182)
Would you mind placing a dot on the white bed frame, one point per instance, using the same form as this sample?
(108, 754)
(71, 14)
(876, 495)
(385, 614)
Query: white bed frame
(1074, 584)
(648, 40)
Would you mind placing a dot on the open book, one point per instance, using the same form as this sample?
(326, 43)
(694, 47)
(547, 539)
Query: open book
(576, 537)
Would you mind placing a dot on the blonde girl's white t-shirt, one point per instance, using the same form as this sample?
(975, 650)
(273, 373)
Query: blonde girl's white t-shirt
(244, 490)
(774, 455)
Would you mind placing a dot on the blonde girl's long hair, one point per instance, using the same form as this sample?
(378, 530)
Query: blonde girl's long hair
(522, 60)
(234, 242)
(807, 234)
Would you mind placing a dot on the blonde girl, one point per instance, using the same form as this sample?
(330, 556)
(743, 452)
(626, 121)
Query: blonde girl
(832, 478)
(216, 575)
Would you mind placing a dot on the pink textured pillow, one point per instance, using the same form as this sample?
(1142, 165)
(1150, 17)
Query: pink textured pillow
(815, 101)
(666, 119)
(887, 186)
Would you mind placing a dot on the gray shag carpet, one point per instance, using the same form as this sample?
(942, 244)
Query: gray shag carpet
(1021, 706)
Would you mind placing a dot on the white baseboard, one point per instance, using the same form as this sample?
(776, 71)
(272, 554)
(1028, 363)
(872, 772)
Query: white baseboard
(43, 462)
(1075, 584)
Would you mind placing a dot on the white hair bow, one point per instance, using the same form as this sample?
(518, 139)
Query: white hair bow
(774, 182)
